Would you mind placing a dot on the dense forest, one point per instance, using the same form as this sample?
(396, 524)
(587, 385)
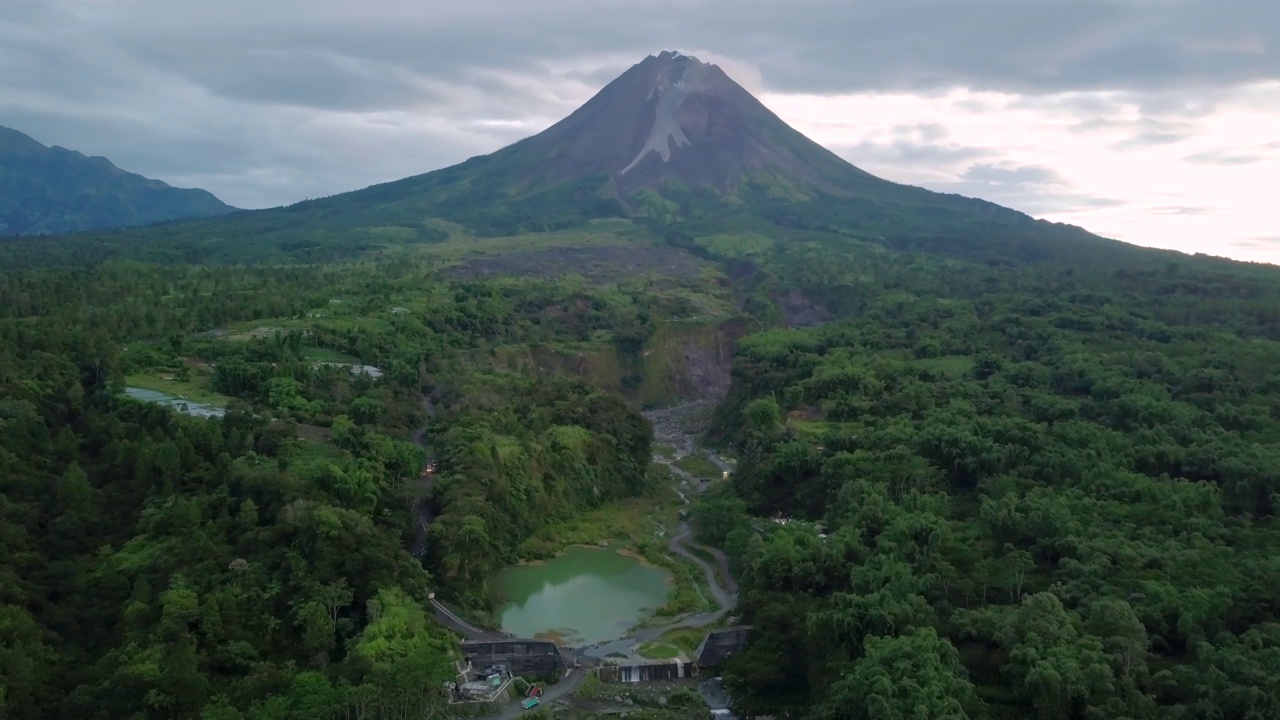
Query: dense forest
(981, 488)
(260, 564)
(1033, 494)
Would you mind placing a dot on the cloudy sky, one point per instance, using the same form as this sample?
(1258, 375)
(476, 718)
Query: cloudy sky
(1152, 121)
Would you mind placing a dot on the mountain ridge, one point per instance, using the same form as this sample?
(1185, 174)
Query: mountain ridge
(49, 190)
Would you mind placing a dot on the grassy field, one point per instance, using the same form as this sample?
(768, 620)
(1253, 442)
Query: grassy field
(737, 245)
(700, 466)
(687, 639)
(462, 244)
(629, 521)
(691, 593)
(658, 651)
(327, 355)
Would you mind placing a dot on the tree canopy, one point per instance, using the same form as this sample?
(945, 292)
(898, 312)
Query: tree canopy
(1014, 495)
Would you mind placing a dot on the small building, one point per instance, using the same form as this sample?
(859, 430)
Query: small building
(473, 685)
(475, 690)
(719, 645)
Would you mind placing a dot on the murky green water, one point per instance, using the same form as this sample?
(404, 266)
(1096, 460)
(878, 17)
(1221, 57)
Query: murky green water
(584, 596)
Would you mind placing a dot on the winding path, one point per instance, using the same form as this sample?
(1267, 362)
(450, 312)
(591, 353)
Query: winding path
(666, 431)
(568, 685)
(454, 622)
(421, 509)
(727, 595)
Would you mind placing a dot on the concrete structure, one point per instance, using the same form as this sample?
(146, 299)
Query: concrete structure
(537, 658)
(487, 684)
(646, 672)
(718, 645)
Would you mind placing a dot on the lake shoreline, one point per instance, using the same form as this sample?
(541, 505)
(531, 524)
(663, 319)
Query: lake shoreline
(586, 595)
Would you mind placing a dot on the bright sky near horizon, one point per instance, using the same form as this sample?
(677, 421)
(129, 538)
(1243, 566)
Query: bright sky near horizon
(1152, 121)
(1208, 188)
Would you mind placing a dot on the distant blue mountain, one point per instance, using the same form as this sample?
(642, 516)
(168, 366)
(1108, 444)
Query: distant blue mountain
(51, 190)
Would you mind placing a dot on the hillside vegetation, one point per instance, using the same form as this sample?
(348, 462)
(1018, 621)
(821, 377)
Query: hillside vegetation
(1050, 487)
(1032, 494)
(154, 565)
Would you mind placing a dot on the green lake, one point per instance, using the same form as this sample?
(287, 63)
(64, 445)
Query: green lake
(581, 597)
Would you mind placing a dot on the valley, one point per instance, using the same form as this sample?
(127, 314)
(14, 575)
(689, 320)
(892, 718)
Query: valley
(655, 640)
(918, 455)
(675, 427)
(582, 573)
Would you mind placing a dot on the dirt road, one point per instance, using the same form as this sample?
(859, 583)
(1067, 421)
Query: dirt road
(671, 430)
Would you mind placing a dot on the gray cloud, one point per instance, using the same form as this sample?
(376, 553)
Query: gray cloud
(1150, 132)
(910, 155)
(1268, 244)
(1037, 190)
(809, 45)
(1034, 189)
(1224, 157)
(972, 171)
(1189, 210)
(1150, 138)
(1151, 119)
(1027, 175)
(268, 102)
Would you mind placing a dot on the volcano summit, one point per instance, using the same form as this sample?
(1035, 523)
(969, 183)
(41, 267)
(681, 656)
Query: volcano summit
(673, 116)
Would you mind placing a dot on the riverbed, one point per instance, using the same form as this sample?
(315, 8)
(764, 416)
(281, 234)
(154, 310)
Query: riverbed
(583, 596)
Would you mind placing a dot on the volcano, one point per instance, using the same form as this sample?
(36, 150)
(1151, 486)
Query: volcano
(672, 145)
(673, 116)
(675, 141)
